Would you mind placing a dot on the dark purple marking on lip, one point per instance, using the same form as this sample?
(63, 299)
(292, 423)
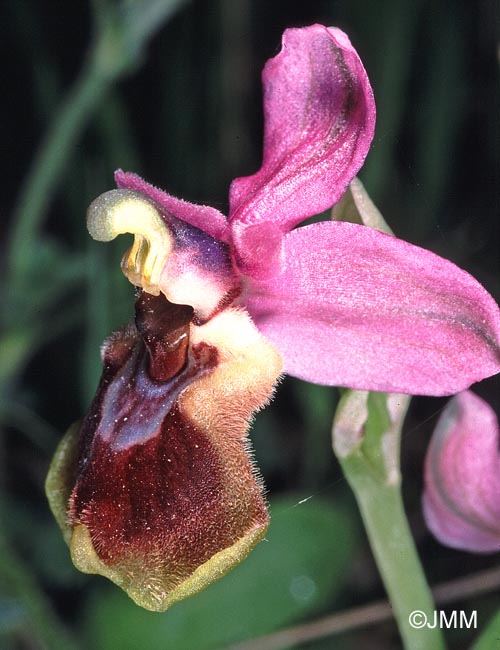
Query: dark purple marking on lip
(144, 372)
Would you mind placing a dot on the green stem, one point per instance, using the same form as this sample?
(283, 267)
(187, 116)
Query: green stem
(51, 159)
(366, 437)
(392, 544)
(122, 32)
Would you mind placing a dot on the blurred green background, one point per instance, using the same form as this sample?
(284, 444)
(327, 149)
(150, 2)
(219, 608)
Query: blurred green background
(177, 98)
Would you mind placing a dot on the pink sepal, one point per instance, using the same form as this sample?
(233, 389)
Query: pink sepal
(355, 307)
(319, 117)
(203, 217)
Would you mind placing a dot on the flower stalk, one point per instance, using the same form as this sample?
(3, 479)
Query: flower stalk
(371, 423)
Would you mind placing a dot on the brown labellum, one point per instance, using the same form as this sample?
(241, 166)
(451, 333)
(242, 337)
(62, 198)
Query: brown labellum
(163, 498)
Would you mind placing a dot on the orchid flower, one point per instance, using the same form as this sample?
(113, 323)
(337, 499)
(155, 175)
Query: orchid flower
(462, 476)
(163, 497)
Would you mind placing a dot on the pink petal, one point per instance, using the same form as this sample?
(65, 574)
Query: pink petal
(355, 307)
(319, 120)
(203, 217)
(462, 476)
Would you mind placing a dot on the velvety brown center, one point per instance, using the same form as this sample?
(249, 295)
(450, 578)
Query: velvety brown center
(150, 483)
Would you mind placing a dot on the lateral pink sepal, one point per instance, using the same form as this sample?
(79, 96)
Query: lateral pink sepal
(355, 307)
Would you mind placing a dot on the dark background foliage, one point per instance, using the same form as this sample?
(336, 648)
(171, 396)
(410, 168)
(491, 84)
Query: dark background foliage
(187, 116)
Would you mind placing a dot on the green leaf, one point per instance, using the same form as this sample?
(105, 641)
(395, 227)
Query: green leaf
(297, 570)
(490, 638)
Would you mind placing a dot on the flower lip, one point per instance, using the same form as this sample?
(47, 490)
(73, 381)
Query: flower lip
(163, 496)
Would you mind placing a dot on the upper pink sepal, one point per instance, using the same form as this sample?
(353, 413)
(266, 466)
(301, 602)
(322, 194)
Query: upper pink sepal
(319, 117)
(203, 217)
(355, 307)
(462, 476)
